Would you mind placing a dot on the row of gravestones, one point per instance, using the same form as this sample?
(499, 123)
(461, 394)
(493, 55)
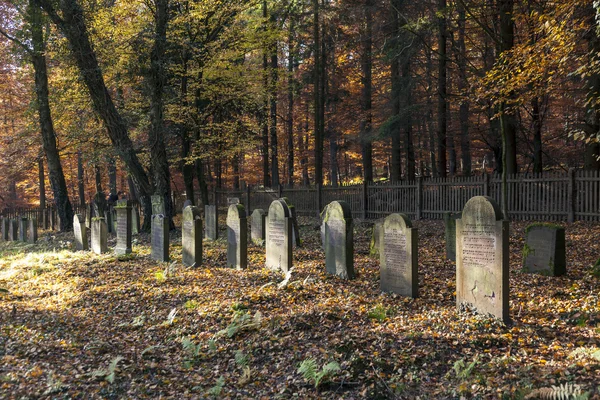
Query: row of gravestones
(22, 229)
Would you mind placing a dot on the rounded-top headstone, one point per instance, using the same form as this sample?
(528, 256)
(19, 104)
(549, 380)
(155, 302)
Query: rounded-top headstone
(236, 211)
(279, 237)
(237, 239)
(398, 256)
(481, 208)
(339, 240)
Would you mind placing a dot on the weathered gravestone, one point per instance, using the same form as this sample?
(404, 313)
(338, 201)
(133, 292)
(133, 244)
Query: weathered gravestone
(544, 251)
(135, 220)
(279, 237)
(158, 205)
(191, 237)
(257, 226)
(99, 235)
(339, 240)
(398, 256)
(160, 238)
(80, 231)
(99, 205)
(237, 237)
(89, 213)
(376, 235)
(5, 229)
(296, 228)
(23, 229)
(450, 225)
(211, 222)
(115, 221)
(233, 200)
(32, 233)
(482, 258)
(187, 203)
(123, 211)
(13, 229)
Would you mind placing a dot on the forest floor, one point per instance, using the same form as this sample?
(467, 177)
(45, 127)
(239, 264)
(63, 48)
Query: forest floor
(80, 325)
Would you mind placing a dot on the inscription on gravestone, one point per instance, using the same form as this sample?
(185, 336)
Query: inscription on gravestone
(339, 242)
(544, 251)
(398, 256)
(160, 238)
(482, 258)
(237, 237)
(278, 237)
(191, 237)
(80, 232)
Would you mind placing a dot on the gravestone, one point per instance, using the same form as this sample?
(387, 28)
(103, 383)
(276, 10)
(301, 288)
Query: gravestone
(5, 229)
(99, 205)
(158, 205)
(89, 214)
(13, 230)
(187, 203)
(160, 238)
(23, 229)
(32, 233)
(544, 251)
(123, 211)
(135, 220)
(339, 240)
(211, 222)
(482, 258)
(450, 225)
(257, 226)
(376, 234)
(296, 228)
(80, 232)
(237, 237)
(398, 256)
(191, 237)
(113, 214)
(99, 235)
(279, 237)
(233, 200)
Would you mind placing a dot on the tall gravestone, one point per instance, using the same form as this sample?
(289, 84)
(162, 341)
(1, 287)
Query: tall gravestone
(115, 221)
(89, 213)
(80, 232)
(191, 237)
(237, 237)
(450, 226)
(296, 228)
(398, 256)
(544, 251)
(257, 226)
(23, 229)
(5, 229)
(279, 237)
(339, 240)
(123, 211)
(482, 264)
(160, 238)
(13, 229)
(211, 222)
(99, 235)
(32, 231)
(158, 205)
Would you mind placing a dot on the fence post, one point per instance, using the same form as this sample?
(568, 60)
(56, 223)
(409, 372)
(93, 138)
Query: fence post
(280, 190)
(571, 196)
(486, 184)
(248, 199)
(319, 199)
(419, 198)
(365, 196)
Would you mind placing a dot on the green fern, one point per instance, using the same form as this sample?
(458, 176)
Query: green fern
(462, 370)
(241, 359)
(566, 391)
(108, 373)
(310, 370)
(218, 388)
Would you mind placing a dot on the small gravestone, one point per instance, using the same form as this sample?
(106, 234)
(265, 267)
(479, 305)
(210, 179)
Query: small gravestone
(187, 203)
(279, 237)
(99, 235)
(482, 258)
(450, 225)
(376, 237)
(135, 220)
(160, 238)
(99, 204)
(237, 237)
(32, 233)
(5, 229)
(544, 251)
(233, 200)
(296, 228)
(123, 211)
(13, 230)
(80, 232)
(23, 229)
(89, 214)
(211, 222)
(339, 240)
(398, 256)
(191, 237)
(257, 226)
(158, 205)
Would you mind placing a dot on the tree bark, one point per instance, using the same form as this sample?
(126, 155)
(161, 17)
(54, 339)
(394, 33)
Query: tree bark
(366, 95)
(396, 78)
(265, 110)
(80, 183)
(42, 183)
(291, 87)
(319, 123)
(273, 111)
(463, 84)
(442, 104)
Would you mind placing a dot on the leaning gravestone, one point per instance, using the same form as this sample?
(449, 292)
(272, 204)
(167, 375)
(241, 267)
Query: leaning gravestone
(13, 229)
(23, 229)
(191, 237)
(296, 229)
(80, 231)
(544, 251)
(211, 221)
(257, 226)
(5, 229)
(450, 225)
(398, 256)
(237, 237)
(482, 258)
(123, 211)
(32, 233)
(376, 235)
(99, 235)
(135, 220)
(339, 240)
(279, 237)
(160, 238)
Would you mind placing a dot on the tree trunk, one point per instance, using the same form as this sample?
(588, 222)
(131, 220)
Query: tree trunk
(408, 125)
(42, 180)
(537, 135)
(80, 183)
(291, 86)
(111, 166)
(55, 171)
(396, 151)
(319, 126)
(273, 113)
(366, 95)
(303, 148)
(463, 84)
(442, 105)
(265, 110)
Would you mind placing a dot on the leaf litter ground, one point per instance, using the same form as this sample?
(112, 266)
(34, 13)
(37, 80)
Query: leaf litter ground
(79, 325)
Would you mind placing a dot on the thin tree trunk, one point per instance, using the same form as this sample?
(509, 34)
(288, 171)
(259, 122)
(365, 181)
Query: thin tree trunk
(80, 183)
(112, 175)
(366, 95)
(463, 111)
(442, 105)
(396, 151)
(291, 86)
(265, 110)
(537, 135)
(318, 96)
(408, 125)
(42, 181)
(303, 147)
(273, 112)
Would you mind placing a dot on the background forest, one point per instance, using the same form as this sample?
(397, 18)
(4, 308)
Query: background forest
(174, 96)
